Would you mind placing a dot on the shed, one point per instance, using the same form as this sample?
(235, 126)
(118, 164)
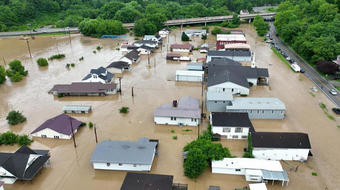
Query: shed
(195, 66)
(189, 76)
(173, 56)
(142, 181)
(76, 109)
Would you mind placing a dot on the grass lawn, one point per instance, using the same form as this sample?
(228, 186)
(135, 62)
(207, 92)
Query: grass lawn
(281, 57)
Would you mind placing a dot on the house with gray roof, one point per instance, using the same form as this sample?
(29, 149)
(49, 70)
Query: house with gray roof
(124, 155)
(236, 55)
(24, 164)
(185, 111)
(99, 75)
(118, 67)
(131, 57)
(84, 89)
(142, 181)
(259, 108)
(150, 43)
(59, 127)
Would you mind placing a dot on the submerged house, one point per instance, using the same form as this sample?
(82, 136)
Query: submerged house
(164, 32)
(254, 170)
(118, 67)
(24, 164)
(149, 43)
(231, 125)
(281, 146)
(259, 108)
(131, 57)
(77, 109)
(142, 181)
(124, 155)
(181, 48)
(185, 111)
(84, 89)
(195, 32)
(233, 38)
(98, 75)
(189, 76)
(156, 38)
(59, 127)
(235, 54)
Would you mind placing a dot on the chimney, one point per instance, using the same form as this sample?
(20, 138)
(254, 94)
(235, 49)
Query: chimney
(174, 103)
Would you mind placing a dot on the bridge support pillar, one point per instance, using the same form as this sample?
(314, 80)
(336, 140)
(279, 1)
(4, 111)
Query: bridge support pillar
(205, 24)
(181, 27)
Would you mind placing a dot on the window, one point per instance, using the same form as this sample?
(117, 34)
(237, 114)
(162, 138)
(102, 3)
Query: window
(226, 130)
(232, 90)
(43, 136)
(235, 137)
(238, 170)
(238, 130)
(120, 164)
(223, 102)
(223, 89)
(244, 136)
(134, 165)
(108, 164)
(215, 102)
(173, 118)
(56, 137)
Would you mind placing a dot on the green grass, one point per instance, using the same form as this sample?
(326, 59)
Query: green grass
(281, 57)
(174, 137)
(330, 116)
(337, 87)
(323, 106)
(186, 130)
(314, 174)
(325, 110)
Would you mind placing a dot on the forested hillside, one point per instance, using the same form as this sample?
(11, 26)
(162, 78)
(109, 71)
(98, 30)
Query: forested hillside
(16, 14)
(312, 28)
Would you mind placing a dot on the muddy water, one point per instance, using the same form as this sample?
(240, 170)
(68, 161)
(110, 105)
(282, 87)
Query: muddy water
(153, 85)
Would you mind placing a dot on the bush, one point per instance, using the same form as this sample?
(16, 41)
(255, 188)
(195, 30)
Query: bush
(99, 48)
(174, 137)
(68, 65)
(124, 110)
(100, 27)
(10, 138)
(172, 131)
(204, 37)
(90, 124)
(314, 174)
(216, 30)
(185, 37)
(81, 59)
(2, 74)
(57, 56)
(15, 117)
(82, 124)
(94, 51)
(42, 62)
(206, 28)
(72, 64)
(16, 71)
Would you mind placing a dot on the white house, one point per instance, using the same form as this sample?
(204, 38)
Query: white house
(150, 43)
(59, 127)
(164, 32)
(195, 32)
(144, 50)
(124, 155)
(156, 38)
(77, 109)
(281, 146)
(235, 54)
(131, 57)
(181, 48)
(244, 12)
(185, 111)
(189, 76)
(255, 170)
(24, 164)
(98, 75)
(231, 125)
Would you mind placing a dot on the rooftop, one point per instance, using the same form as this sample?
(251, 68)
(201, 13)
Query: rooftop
(134, 54)
(118, 64)
(142, 181)
(60, 124)
(187, 107)
(83, 87)
(77, 107)
(248, 163)
(231, 37)
(280, 140)
(181, 46)
(125, 152)
(190, 73)
(228, 53)
(231, 119)
(257, 104)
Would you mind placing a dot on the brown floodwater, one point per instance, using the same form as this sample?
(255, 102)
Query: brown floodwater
(153, 85)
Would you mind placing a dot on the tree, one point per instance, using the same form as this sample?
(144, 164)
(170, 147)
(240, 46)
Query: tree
(42, 62)
(16, 71)
(109, 10)
(327, 67)
(195, 163)
(144, 27)
(127, 14)
(236, 20)
(185, 37)
(216, 30)
(99, 27)
(15, 117)
(204, 37)
(2, 74)
(261, 26)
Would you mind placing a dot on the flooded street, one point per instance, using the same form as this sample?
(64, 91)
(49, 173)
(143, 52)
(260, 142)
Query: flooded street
(153, 85)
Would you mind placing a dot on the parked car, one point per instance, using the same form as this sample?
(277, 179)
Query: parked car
(336, 110)
(333, 92)
(288, 58)
(302, 71)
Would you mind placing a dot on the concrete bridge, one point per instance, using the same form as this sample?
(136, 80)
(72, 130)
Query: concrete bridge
(178, 22)
(206, 20)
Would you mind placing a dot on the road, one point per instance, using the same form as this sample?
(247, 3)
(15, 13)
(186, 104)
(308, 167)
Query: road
(310, 72)
(39, 31)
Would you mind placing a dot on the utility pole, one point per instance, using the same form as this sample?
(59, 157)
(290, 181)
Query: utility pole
(28, 47)
(69, 35)
(132, 92)
(149, 59)
(167, 44)
(74, 140)
(4, 60)
(95, 133)
(120, 85)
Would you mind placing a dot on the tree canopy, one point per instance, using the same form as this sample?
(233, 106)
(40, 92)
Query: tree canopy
(311, 28)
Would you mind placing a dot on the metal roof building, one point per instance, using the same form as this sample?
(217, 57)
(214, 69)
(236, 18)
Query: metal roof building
(76, 109)
(259, 108)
